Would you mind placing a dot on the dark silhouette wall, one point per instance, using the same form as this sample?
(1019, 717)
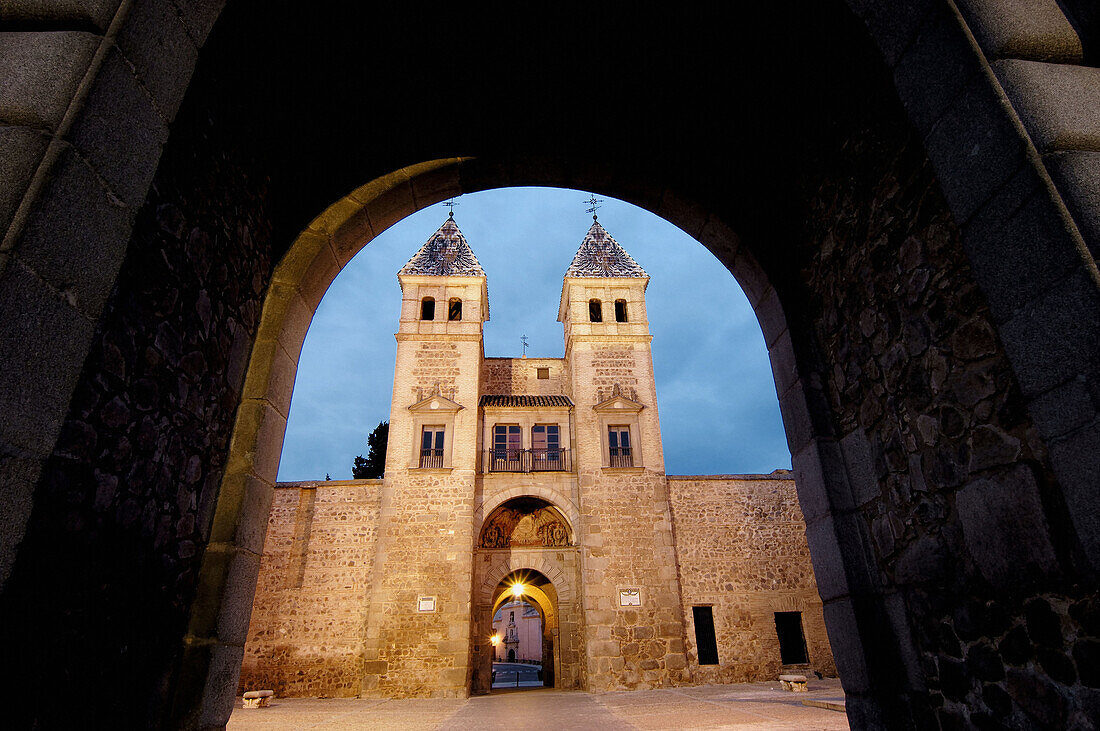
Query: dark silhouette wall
(903, 191)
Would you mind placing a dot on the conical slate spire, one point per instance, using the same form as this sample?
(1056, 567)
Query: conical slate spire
(602, 256)
(445, 253)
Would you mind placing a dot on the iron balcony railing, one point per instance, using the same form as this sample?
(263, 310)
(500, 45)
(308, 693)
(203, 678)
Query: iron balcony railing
(527, 460)
(431, 458)
(621, 457)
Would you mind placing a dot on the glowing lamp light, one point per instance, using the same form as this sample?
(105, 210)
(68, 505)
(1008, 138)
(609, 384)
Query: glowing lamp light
(495, 639)
(517, 590)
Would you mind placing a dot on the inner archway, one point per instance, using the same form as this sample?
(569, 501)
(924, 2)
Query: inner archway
(524, 626)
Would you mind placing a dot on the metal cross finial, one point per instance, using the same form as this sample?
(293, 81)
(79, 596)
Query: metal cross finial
(523, 339)
(593, 205)
(451, 206)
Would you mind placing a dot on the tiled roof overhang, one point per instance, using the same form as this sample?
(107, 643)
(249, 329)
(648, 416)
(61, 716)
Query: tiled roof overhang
(525, 400)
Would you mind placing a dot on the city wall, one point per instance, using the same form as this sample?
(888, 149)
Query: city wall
(740, 548)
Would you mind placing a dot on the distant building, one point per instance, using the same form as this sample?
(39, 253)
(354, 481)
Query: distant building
(517, 633)
(540, 478)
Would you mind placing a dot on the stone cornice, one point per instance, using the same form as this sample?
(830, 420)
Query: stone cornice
(441, 337)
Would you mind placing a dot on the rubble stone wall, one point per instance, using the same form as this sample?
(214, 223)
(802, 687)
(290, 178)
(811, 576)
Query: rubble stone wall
(520, 376)
(741, 549)
(629, 546)
(955, 496)
(125, 502)
(306, 633)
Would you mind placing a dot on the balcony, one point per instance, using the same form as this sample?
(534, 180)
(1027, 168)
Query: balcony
(528, 460)
(431, 458)
(621, 457)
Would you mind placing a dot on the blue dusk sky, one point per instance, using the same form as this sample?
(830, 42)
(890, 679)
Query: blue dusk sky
(718, 407)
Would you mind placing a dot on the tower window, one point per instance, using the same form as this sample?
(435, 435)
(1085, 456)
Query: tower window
(595, 311)
(454, 309)
(431, 447)
(792, 641)
(705, 641)
(620, 310)
(618, 442)
(427, 308)
(543, 373)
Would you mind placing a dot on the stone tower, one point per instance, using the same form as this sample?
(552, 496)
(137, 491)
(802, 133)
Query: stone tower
(425, 533)
(633, 620)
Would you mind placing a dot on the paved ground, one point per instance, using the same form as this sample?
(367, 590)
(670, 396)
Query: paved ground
(516, 675)
(742, 707)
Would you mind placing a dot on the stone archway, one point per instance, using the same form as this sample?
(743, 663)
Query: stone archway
(969, 166)
(514, 545)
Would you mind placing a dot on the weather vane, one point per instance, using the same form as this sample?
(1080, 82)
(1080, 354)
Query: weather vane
(451, 206)
(593, 205)
(523, 339)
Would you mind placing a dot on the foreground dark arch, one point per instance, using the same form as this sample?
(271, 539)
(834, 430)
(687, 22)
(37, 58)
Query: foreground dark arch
(909, 213)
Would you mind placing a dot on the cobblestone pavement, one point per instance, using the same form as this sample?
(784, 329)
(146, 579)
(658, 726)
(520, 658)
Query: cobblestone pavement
(744, 706)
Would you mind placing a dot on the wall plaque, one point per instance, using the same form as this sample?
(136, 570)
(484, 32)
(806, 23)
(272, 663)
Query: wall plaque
(630, 598)
(425, 604)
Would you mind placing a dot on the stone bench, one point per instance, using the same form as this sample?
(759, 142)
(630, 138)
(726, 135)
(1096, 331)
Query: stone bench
(258, 698)
(796, 683)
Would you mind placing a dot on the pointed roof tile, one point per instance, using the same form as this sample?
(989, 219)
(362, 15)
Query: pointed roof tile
(444, 254)
(602, 256)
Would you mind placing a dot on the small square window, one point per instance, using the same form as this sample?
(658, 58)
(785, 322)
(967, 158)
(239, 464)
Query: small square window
(543, 373)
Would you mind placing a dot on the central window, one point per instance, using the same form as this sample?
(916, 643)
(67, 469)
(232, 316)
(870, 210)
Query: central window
(431, 447)
(545, 447)
(618, 442)
(507, 445)
(510, 449)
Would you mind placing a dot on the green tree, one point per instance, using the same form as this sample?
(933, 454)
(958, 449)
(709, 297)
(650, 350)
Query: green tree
(375, 464)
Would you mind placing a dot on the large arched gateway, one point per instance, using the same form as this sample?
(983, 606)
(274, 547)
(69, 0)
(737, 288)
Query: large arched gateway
(906, 193)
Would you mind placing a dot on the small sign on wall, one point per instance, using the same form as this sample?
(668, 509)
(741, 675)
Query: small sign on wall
(630, 598)
(425, 604)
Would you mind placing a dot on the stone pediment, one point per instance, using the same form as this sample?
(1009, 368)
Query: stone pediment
(436, 404)
(618, 405)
